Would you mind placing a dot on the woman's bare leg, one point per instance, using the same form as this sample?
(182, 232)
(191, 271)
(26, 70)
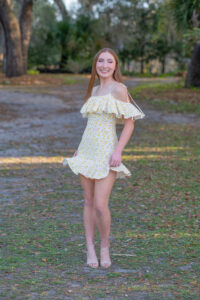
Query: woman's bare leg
(102, 192)
(88, 210)
(89, 219)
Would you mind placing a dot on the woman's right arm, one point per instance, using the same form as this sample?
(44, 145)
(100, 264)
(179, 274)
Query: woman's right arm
(75, 153)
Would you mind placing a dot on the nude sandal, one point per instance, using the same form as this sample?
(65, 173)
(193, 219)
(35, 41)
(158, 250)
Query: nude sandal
(105, 263)
(93, 261)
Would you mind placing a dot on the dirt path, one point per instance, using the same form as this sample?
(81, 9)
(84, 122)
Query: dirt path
(48, 124)
(28, 117)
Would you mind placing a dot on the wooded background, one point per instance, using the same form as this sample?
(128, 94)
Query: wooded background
(150, 36)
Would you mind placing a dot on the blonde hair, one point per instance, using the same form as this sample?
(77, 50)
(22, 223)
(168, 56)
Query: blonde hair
(116, 74)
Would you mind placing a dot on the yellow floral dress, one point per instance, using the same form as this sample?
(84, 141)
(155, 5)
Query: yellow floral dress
(99, 138)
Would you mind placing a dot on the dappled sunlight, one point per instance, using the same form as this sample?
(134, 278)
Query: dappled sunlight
(157, 157)
(179, 234)
(158, 153)
(31, 160)
(155, 149)
(58, 159)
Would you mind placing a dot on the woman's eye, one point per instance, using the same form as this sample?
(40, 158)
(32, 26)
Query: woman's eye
(101, 60)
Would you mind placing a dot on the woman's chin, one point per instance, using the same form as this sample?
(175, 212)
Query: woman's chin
(105, 75)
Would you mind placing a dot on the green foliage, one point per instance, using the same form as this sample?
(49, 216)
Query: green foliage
(33, 72)
(79, 65)
(184, 12)
(146, 25)
(69, 43)
(186, 15)
(138, 30)
(191, 36)
(44, 48)
(68, 80)
(150, 35)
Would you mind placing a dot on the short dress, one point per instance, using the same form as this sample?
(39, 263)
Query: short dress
(99, 138)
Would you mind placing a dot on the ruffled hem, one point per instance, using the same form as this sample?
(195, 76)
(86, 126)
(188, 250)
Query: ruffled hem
(94, 170)
(111, 105)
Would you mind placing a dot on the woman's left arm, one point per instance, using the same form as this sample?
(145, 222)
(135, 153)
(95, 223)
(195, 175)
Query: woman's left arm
(121, 93)
(116, 157)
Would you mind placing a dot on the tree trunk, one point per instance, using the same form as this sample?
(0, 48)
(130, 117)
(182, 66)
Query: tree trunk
(123, 65)
(12, 35)
(3, 52)
(2, 46)
(25, 26)
(193, 74)
(128, 64)
(142, 66)
(163, 66)
(16, 35)
(64, 58)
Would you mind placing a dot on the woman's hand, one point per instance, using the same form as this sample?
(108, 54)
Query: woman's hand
(75, 153)
(115, 159)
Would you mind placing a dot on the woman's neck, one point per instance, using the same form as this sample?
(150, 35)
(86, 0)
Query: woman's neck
(105, 83)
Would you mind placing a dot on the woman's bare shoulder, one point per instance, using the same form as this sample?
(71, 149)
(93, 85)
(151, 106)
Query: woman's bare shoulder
(120, 92)
(94, 90)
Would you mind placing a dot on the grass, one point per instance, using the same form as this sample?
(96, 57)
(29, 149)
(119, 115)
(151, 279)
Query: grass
(156, 75)
(154, 230)
(154, 218)
(171, 97)
(34, 79)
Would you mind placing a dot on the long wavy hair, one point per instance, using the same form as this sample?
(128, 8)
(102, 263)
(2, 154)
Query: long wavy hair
(116, 74)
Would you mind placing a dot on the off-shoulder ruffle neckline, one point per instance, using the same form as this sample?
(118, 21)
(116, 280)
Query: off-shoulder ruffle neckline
(100, 96)
(109, 104)
(109, 94)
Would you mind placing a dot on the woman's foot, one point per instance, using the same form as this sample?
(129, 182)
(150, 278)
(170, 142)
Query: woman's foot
(92, 260)
(105, 257)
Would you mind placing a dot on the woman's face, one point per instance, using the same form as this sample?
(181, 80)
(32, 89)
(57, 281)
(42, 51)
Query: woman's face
(105, 65)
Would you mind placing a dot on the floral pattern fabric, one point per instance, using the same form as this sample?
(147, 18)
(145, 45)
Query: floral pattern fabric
(99, 138)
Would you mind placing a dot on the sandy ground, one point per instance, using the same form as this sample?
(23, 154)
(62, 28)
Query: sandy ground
(29, 116)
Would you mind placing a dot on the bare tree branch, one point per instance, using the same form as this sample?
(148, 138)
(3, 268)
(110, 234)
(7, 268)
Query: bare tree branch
(62, 8)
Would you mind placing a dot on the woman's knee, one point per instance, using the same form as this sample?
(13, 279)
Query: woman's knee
(88, 190)
(89, 201)
(100, 209)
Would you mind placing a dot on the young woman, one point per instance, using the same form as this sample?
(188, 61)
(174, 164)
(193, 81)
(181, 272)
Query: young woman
(99, 154)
